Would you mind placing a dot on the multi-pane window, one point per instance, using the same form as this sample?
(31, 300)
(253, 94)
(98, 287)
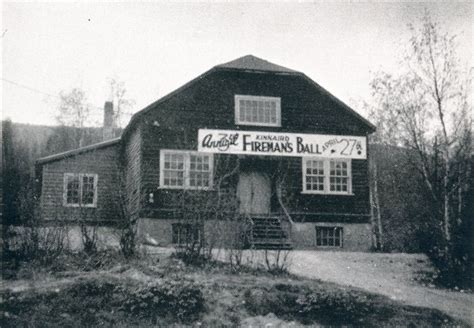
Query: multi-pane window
(186, 233)
(80, 189)
(338, 176)
(72, 189)
(88, 189)
(327, 176)
(329, 236)
(199, 171)
(185, 170)
(173, 170)
(314, 175)
(255, 110)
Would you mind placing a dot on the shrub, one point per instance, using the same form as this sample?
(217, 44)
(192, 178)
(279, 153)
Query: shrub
(191, 257)
(33, 245)
(277, 262)
(99, 302)
(335, 307)
(176, 299)
(89, 238)
(182, 300)
(325, 306)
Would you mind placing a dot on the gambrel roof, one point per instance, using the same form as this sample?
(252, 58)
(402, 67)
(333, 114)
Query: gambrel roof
(249, 63)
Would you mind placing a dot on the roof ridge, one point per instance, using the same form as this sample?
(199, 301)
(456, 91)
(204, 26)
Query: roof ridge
(251, 62)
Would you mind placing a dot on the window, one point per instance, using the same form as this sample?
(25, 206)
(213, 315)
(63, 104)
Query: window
(80, 189)
(329, 236)
(315, 175)
(186, 233)
(185, 170)
(327, 176)
(255, 110)
(338, 176)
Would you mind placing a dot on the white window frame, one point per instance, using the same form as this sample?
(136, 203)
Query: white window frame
(81, 182)
(327, 176)
(277, 101)
(187, 169)
(336, 228)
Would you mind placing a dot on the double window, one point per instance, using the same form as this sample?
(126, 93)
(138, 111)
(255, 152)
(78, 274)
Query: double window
(185, 169)
(80, 189)
(256, 110)
(329, 236)
(327, 176)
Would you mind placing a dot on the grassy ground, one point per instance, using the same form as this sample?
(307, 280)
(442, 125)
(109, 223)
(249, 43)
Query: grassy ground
(160, 290)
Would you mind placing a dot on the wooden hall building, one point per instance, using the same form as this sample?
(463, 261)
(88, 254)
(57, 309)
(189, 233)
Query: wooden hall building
(247, 140)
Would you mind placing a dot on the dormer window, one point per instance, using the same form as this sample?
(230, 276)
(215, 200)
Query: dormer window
(256, 110)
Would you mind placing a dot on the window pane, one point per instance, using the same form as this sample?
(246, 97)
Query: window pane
(314, 175)
(199, 173)
(242, 110)
(273, 115)
(72, 192)
(88, 190)
(339, 176)
(173, 170)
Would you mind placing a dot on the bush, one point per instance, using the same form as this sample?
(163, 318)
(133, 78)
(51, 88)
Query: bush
(106, 303)
(277, 262)
(191, 257)
(324, 306)
(33, 245)
(181, 300)
(338, 307)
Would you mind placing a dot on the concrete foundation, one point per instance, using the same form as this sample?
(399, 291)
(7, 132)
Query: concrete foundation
(356, 236)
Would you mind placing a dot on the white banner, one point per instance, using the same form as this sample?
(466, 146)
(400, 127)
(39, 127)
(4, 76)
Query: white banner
(281, 144)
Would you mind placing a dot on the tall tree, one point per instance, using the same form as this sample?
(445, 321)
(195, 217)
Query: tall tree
(427, 108)
(10, 174)
(74, 112)
(122, 104)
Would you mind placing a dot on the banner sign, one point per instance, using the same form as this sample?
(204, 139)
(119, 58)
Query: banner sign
(281, 144)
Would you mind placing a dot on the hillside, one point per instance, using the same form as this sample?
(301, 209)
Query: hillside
(31, 142)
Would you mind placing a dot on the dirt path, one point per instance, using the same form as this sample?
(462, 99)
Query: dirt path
(387, 274)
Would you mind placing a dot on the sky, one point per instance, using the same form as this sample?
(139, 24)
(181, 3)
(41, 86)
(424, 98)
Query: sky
(155, 47)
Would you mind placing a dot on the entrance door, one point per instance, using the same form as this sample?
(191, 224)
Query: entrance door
(254, 191)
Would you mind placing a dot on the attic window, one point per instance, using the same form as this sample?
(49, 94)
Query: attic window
(256, 110)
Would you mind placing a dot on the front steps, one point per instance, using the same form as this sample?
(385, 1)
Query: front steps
(268, 233)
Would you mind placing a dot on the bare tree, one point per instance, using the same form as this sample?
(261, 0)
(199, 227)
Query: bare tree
(426, 108)
(122, 104)
(74, 112)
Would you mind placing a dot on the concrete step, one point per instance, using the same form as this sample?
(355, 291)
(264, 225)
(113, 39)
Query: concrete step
(267, 233)
(271, 245)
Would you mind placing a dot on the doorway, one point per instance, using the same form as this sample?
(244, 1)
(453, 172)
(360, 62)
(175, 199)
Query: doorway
(254, 192)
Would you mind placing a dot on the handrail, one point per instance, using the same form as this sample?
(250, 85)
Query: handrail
(280, 201)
